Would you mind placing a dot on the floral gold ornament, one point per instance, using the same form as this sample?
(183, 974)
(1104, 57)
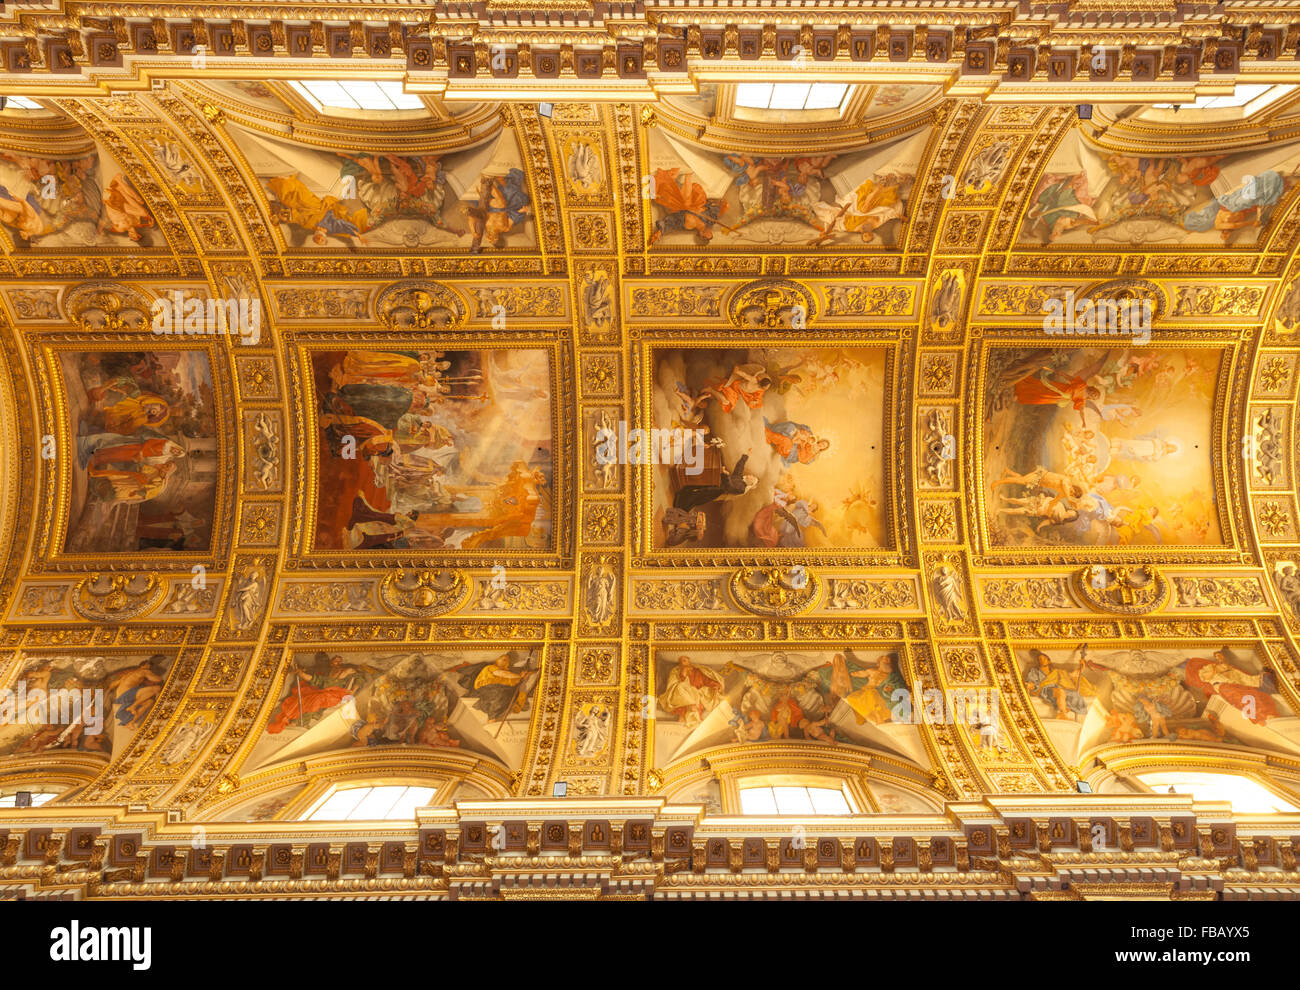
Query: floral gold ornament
(600, 374)
(1274, 518)
(602, 521)
(963, 666)
(335, 596)
(684, 300)
(937, 374)
(666, 596)
(864, 593)
(1027, 593)
(938, 521)
(1224, 592)
(523, 301)
(869, 300)
(523, 596)
(1275, 374)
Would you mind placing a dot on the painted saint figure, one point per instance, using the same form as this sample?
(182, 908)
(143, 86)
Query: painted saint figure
(1070, 693)
(794, 443)
(691, 692)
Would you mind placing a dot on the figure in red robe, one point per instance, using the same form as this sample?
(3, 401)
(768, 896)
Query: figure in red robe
(1055, 391)
(317, 687)
(1245, 692)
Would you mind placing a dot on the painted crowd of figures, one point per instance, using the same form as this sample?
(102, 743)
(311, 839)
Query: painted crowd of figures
(380, 188)
(434, 449)
(843, 697)
(1135, 695)
(766, 707)
(771, 475)
(1086, 196)
(478, 701)
(1096, 446)
(699, 196)
(128, 687)
(780, 189)
(54, 202)
(472, 199)
(145, 439)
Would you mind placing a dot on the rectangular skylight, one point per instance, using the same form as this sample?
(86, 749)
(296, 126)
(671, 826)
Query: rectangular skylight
(1247, 797)
(758, 95)
(23, 103)
(793, 800)
(39, 798)
(356, 94)
(757, 801)
(791, 96)
(1257, 95)
(826, 96)
(356, 804)
(827, 801)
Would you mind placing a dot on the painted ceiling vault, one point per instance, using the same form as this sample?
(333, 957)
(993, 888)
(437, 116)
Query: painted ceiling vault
(339, 442)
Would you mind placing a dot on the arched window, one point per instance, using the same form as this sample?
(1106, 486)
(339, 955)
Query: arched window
(356, 804)
(1246, 794)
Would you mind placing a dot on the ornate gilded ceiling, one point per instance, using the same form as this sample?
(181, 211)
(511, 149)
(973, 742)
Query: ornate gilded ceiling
(307, 411)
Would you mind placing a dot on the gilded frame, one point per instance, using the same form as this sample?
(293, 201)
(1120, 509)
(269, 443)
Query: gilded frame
(300, 345)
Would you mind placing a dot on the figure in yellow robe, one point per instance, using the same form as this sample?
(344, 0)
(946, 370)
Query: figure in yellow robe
(875, 205)
(124, 408)
(367, 367)
(873, 701)
(322, 216)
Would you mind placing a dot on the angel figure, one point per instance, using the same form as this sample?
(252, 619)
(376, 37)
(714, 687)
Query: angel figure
(601, 595)
(584, 166)
(249, 597)
(946, 585)
(591, 730)
(597, 301)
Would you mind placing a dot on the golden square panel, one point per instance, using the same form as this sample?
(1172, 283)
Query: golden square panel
(939, 521)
